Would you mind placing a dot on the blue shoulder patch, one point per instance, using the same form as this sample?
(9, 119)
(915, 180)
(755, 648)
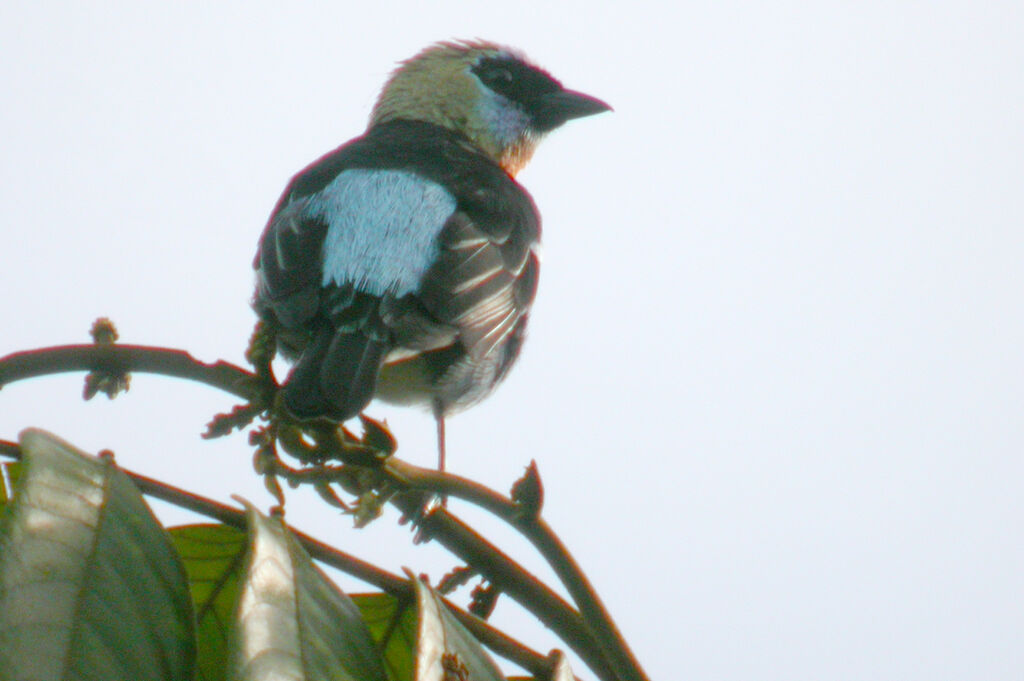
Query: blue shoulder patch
(382, 228)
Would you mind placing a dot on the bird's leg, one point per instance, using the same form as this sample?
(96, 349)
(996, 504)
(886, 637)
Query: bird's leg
(439, 419)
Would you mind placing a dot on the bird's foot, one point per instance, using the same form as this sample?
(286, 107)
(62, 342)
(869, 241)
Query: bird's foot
(329, 457)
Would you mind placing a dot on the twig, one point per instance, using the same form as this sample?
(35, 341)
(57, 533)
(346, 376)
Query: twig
(511, 577)
(553, 611)
(123, 359)
(596, 617)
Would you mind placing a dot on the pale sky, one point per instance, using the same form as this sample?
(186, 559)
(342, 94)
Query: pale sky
(774, 381)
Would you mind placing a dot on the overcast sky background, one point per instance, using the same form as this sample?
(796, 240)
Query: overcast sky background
(774, 376)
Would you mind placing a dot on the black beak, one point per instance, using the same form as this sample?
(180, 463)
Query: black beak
(555, 108)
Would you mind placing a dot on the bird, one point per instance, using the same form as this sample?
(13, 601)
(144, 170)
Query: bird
(403, 264)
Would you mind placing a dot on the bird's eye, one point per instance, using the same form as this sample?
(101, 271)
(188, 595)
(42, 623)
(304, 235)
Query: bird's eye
(497, 78)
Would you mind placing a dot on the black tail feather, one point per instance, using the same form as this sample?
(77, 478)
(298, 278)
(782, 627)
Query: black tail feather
(336, 375)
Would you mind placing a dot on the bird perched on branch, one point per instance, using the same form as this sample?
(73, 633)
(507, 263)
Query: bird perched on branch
(402, 265)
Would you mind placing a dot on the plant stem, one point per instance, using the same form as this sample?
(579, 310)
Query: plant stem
(593, 635)
(595, 615)
(123, 359)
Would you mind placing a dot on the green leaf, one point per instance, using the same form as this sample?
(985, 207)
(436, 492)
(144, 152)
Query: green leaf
(214, 556)
(90, 586)
(393, 628)
(444, 648)
(293, 622)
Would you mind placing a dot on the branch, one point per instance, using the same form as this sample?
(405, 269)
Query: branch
(455, 535)
(119, 359)
(595, 615)
(511, 577)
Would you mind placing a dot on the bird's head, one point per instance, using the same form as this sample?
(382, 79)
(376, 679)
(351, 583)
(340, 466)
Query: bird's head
(491, 94)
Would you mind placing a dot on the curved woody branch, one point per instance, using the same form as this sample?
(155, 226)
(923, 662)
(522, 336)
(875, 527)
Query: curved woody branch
(595, 615)
(600, 644)
(121, 359)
